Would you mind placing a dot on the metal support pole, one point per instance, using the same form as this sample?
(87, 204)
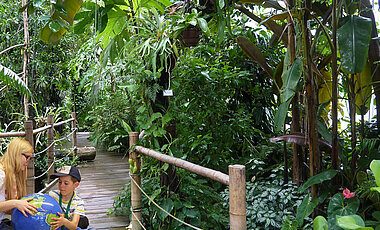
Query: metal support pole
(50, 136)
(30, 185)
(74, 137)
(237, 197)
(135, 192)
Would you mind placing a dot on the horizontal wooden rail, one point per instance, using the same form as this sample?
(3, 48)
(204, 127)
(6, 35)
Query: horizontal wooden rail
(200, 170)
(35, 131)
(49, 186)
(63, 122)
(12, 134)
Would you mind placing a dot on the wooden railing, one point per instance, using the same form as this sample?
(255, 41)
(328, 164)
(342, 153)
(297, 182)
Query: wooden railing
(29, 133)
(235, 180)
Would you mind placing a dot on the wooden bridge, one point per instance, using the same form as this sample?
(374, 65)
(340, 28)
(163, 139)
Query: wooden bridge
(103, 178)
(101, 182)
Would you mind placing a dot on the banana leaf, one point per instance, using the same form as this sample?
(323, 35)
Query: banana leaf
(299, 139)
(363, 89)
(252, 51)
(63, 16)
(290, 80)
(353, 39)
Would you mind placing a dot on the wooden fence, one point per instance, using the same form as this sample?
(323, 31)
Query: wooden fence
(235, 180)
(29, 133)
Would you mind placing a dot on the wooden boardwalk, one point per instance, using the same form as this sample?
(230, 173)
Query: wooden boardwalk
(101, 182)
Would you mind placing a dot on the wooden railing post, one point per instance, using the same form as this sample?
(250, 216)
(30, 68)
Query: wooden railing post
(237, 197)
(30, 185)
(74, 137)
(50, 136)
(135, 191)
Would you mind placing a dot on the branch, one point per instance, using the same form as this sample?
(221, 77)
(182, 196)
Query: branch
(271, 25)
(9, 48)
(3, 88)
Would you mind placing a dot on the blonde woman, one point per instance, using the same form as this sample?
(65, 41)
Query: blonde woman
(13, 168)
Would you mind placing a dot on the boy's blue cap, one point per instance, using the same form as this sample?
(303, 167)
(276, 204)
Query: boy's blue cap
(67, 171)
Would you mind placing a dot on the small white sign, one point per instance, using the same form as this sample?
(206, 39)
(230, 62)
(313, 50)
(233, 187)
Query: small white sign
(168, 93)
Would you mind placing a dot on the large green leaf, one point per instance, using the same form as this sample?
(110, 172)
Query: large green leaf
(339, 206)
(290, 80)
(363, 89)
(168, 206)
(353, 39)
(252, 51)
(51, 34)
(10, 78)
(319, 178)
(279, 118)
(306, 208)
(351, 222)
(375, 167)
(320, 223)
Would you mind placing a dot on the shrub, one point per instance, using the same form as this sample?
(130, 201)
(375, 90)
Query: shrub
(269, 202)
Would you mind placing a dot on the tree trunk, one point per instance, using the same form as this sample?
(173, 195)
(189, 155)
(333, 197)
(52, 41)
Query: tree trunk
(298, 158)
(26, 56)
(334, 96)
(311, 99)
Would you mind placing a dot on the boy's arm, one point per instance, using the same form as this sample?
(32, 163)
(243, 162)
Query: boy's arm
(73, 224)
(62, 221)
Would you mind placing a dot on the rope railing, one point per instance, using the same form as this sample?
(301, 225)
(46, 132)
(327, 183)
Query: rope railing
(134, 215)
(55, 141)
(235, 180)
(51, 165)
(29, 133)
(162, 209)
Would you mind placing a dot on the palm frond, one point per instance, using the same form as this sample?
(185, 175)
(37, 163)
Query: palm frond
(10, 78)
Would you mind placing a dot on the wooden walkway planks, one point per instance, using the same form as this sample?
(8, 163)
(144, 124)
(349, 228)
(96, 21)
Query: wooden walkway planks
(101, 182)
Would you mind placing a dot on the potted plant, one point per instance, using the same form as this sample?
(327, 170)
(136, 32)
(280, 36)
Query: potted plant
(187, 26)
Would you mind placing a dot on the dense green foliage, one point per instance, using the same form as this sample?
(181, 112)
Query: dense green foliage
(225, 104)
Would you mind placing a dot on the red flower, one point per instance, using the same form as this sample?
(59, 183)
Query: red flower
(347, 194)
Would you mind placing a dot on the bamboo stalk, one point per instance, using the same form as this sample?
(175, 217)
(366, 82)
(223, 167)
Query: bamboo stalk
(42, 129)
(200, 170)
(63, 122)
(238, 220)
(334, 90)
(26, 56)
(30, 187)
(74, 136)
(50, 136)
(49, 186)
(12, 134)
(135, 191)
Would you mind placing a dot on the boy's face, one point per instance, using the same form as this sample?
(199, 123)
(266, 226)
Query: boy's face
(66, 185)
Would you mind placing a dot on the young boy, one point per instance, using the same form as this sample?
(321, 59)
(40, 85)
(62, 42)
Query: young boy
(72, 205)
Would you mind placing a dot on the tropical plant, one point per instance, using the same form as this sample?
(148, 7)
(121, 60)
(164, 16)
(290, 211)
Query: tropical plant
(270, 202)
(197, 204)
(10, 78)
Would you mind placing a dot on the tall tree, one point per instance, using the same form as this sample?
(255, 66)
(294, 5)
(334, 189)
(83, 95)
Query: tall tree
(26, 56)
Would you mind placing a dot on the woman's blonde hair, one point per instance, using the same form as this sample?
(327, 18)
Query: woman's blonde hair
(12, 165)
